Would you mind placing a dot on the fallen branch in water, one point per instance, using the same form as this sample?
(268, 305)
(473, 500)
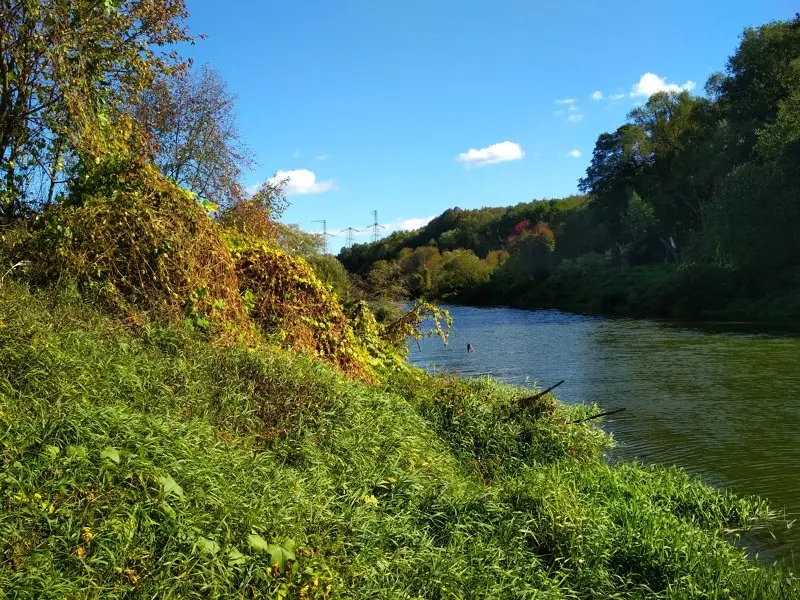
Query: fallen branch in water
(597, 416)
(527, 402)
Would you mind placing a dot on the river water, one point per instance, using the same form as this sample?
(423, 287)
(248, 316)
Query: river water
(720, 400)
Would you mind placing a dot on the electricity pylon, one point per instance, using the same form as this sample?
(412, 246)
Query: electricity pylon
(376, 229)
(351, 238)
(325, 234)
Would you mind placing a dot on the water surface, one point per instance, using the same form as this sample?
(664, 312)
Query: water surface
(720, 400)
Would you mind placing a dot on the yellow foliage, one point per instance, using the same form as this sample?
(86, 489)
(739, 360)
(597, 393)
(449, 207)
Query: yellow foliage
(143, 243)
(285, 296)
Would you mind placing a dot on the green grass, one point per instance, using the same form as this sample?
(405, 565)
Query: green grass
(151, 464)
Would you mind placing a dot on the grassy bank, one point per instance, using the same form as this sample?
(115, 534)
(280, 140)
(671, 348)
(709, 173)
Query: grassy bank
(150, 463)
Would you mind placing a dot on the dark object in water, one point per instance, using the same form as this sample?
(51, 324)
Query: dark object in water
(597, 416)
(527, 402)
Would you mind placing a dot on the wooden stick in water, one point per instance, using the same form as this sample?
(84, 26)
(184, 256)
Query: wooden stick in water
(597, 416)
(526, 402)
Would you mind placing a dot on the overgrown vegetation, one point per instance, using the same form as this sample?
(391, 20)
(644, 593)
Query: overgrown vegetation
(691, 210)
(150, 463)
(138, 242)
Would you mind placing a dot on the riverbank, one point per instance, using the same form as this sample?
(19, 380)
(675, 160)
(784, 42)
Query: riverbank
(690, 292)
(693, 392)
(147, 462)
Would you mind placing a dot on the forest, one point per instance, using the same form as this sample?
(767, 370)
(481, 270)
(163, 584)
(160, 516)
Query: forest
(690, 208)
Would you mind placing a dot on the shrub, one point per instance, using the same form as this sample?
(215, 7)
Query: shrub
(287, 298)
(141, 243)
(331, 272)
(249, 217)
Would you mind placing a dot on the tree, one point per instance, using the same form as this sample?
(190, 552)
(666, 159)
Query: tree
(258, 216)
(674, 176)
(295, 241)
(756, 214)
(762, 72)
(330, 271)
(190, 118)
(530, 254)
(385, 280)
(66, 68)
(418, 266)
(617, 161)
(460, 269)
(756, 218)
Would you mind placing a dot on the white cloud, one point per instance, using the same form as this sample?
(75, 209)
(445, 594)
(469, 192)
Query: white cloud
(496, 153)
(414, 223)
(251, 189)
(598, 95)
(566, 101)
(574, 153)
(617, 96)
(573, 108)
(302, 181)
(323, 157)
(575, 118)
(650, 83)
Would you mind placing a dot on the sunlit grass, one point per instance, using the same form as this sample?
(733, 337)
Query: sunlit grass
(148, 463)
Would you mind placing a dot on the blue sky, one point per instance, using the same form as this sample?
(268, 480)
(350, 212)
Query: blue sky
(410, 107)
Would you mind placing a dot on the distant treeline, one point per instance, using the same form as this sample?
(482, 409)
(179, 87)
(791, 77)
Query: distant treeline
(691, 207)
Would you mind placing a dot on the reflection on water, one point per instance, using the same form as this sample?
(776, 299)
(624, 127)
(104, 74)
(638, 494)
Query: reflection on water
(720, 400)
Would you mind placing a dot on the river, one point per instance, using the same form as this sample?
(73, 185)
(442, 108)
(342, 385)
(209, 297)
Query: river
(720, 400)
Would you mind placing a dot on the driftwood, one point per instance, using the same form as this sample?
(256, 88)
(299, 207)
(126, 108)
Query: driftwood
(597, 416)
(528, 402)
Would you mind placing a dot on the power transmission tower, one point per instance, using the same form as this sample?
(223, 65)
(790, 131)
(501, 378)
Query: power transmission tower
(376, 229)
(351, 238)
(325, 234)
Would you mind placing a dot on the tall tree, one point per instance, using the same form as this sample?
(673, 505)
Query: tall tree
(64, 63)
(191, 118)
(617, 161)
(764, 70)
(675, 126)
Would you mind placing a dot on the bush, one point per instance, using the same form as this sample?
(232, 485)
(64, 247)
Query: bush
(140, 243)
(330, 272)
(286, 298)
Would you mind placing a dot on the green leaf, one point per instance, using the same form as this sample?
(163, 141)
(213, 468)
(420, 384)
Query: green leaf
(257, 542)
(236, 558)
(52, 451)
(280, 554)
(76, 452)
(207, 546)
(168, 510)
(111, 454)
(170, 486)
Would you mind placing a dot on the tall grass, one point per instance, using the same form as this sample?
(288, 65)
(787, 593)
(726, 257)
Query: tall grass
(151, 464)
